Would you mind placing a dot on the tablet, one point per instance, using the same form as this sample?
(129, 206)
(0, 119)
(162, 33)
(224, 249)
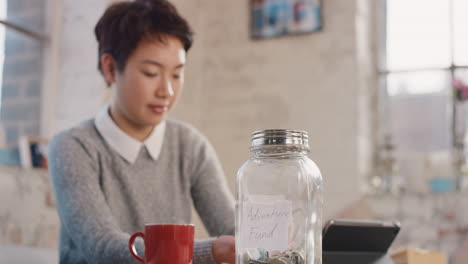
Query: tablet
(359, 235)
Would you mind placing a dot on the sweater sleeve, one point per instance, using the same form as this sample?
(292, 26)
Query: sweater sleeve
(210, 193)
(202, 252)
(82, 208)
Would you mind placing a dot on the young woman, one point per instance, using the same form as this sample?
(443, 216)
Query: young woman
(130, 165)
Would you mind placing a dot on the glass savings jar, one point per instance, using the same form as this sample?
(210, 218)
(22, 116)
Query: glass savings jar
(279, 202)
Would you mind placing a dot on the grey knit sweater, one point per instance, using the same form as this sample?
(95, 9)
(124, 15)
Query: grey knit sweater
(102, 199)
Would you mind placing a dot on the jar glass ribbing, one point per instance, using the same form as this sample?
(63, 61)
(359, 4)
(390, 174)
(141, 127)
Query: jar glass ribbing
(279, 201)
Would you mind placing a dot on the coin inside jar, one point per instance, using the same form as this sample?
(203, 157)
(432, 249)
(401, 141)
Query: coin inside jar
(262, 256)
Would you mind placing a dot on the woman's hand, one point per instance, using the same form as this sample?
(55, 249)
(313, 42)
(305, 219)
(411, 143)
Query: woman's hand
(224, 249)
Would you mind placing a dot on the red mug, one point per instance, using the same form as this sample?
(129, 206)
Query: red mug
(165, 244)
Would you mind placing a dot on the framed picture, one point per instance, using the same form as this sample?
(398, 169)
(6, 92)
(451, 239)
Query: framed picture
(272, 18)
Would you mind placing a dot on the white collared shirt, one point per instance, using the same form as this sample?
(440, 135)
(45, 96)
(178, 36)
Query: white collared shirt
(125, 145)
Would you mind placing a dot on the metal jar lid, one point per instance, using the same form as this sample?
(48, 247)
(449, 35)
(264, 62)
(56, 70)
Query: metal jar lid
(280, 137)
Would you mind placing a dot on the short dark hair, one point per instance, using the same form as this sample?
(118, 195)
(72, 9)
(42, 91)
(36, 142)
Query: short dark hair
(123, 25)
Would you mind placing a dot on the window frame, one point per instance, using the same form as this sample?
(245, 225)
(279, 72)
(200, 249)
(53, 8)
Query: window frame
(385, 137)
(25, 31)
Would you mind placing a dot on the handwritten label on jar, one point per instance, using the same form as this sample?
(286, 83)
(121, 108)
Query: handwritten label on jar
(266, 224)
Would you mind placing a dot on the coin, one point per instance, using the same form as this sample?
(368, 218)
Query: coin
(262, 256)
(256, 256)
(297, 257)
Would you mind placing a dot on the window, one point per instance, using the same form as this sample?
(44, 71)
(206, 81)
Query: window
(21, 67)
(3, 11)
(425, 51)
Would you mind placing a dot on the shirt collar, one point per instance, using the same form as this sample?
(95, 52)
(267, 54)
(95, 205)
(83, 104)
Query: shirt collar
(126, 146)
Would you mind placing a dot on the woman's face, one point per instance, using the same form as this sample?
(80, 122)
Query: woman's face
(150, 84)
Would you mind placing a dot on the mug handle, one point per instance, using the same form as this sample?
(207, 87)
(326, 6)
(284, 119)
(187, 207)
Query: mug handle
(131, 245)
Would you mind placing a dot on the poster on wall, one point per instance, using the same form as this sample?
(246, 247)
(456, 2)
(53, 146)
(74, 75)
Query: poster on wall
(272, 18)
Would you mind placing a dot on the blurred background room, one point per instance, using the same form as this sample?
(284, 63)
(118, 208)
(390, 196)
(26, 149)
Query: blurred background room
(379, 85)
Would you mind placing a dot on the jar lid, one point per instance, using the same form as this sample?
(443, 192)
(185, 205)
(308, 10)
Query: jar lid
(280, 137)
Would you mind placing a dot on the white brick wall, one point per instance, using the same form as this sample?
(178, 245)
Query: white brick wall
(235, 86)
(81, 90)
